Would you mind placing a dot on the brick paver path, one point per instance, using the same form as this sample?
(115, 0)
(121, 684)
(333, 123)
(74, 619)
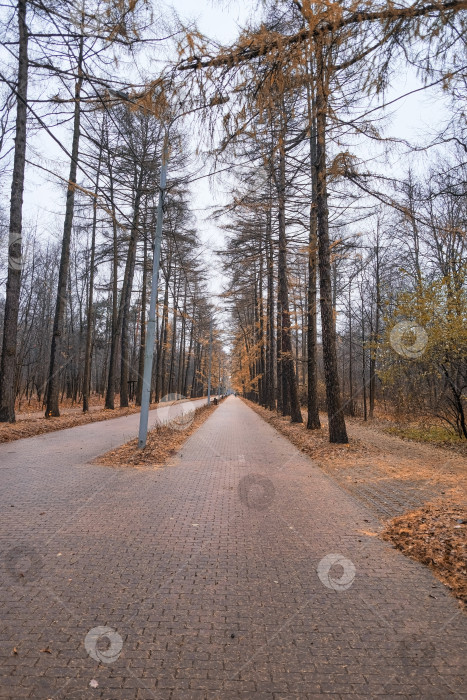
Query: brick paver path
(213, 575)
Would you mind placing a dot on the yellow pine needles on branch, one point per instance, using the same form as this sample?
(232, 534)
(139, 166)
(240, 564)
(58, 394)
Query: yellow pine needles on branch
(322, 18)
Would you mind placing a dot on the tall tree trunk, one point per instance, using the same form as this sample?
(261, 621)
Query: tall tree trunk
(193, 380)
(110, 393)
(256, 340)
(154, 364)
(142, 344)
(270, 374)
(126, 294)
(296, 339)
(375, 336)
(181, 354)
(280, 385)
(262, 359)
(87, 357)
(290, 397)
(313, 421)
(351, 399)
(13, 285)
(365, 411)
(162, 354)
(188, 361)
(173, 349)
(337, 428)
(53, 385)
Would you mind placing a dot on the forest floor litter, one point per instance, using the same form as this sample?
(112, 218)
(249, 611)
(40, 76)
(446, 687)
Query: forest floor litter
(418, 491)
(162, 443)
(30, 425)
(436, 536)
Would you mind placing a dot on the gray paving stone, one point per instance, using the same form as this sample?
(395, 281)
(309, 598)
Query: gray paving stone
(229, 539)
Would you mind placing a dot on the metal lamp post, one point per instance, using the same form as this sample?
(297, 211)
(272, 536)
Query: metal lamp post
(151, 324)
(210, 361)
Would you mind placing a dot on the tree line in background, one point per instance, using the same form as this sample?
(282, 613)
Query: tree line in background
(74, 317)
(345, 280)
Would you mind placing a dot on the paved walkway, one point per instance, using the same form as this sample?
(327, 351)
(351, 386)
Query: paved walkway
(240, 570)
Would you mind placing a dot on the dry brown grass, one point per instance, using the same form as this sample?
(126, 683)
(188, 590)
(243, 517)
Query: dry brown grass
(163, 442)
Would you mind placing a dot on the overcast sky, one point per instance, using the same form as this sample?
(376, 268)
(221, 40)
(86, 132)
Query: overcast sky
(412, 116)
(220, 20)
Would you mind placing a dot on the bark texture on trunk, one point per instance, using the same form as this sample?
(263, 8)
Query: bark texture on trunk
(337, 428)
(290, 402)
(110, 393)
(313, 421)
(53, 384)
(126, 295)
(270, 374)
(13, 285)
(88, 351)
(142, 345)
(262, 358)
(375, 334)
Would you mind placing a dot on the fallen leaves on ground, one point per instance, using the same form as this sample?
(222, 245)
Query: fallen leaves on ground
(162, 442)
(314, 443)
(33, 405)
(433, 534)
(32, 426)
(436, 536)
(371, 455)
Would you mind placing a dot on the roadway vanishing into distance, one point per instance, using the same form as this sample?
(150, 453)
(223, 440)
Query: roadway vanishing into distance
(238, 570)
